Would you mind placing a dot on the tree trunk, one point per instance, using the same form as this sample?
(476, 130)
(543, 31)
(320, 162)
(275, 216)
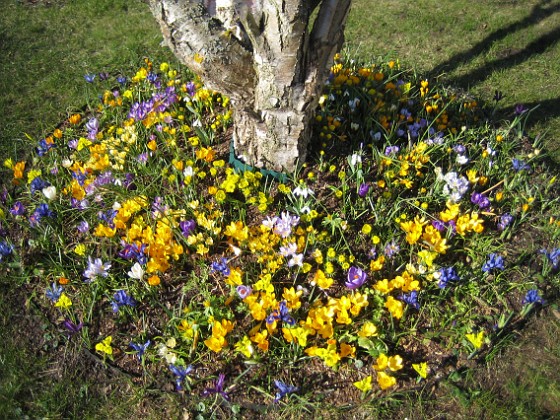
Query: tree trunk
(266, 58)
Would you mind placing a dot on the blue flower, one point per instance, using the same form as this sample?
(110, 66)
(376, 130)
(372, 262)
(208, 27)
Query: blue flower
(283, 389)
(495, 262)
(447, 275)
(53, 293)
(553, 257)
(532, 296)
(281, 314)
(121, 298)
(44, 147)
(140, 349)
(5, 250)
(108, 216)
(43, 210)
(220, 266)
(519, 165)
(90, 77)
(181, 374)
(38, 184)
(505, 221)
(411, 299)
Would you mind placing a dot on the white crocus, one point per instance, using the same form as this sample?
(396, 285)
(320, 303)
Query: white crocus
(136, 272)
(50, 192)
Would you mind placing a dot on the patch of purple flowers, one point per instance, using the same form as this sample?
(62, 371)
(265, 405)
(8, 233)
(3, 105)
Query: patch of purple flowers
(553, 257)
(121, 298)
(281, 314)
(447, 275)
(187, 227)
(220, 266)
(532, 296)
(495, 262)
(480, 200)
(505, 221)
(181, 374)
(411, 299)
(217, 388)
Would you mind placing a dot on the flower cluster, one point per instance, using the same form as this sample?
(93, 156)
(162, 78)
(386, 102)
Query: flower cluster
(150, 229)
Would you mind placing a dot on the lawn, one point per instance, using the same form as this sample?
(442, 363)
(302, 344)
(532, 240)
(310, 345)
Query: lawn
(448, 337)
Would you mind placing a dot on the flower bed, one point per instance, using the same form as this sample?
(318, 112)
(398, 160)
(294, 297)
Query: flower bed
(409, 243)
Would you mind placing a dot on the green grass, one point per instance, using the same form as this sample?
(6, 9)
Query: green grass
(510, 46)
(48, 47)
(491, 46)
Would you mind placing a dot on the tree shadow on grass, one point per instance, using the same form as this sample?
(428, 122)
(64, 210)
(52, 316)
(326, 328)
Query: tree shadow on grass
(510, 58)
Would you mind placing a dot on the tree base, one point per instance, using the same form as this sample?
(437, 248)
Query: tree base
(241, 166)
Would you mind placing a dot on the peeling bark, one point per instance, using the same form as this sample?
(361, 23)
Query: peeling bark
(264, 56)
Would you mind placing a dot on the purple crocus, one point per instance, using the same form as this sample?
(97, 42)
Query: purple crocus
(480, 200)
(519, 165)
(390, 150)
(83, 226)
(187, 227)
(92, 127)
(96, 268)
(243, 291)
(356, 278)
(439, 225)
(191, 88)
(134, 252)
(71, 327)
(505, 221)
(217, 388)
(391, 249)
(363, 190)
(520, 109)
(90, 77)
(18, 209)
(553, 257)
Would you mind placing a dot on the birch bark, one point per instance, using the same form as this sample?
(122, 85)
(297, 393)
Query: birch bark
(268, 56)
